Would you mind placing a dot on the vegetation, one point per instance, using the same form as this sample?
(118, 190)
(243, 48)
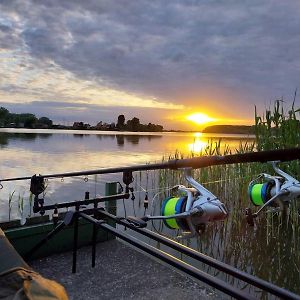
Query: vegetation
(230, 129)
(135, 125)
(275, 235)
(29, 120)
(121, 122)
(131, 125)
(26, 120)
(277, 129)
(10, 198)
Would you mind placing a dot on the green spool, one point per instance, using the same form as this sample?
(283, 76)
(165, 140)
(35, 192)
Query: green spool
(256, 194)
(168, 209)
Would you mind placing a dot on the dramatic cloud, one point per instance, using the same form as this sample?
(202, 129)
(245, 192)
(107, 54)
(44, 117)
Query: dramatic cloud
(169, 55)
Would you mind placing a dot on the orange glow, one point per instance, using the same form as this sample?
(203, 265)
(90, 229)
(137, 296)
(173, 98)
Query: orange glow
(200, 118)
(198, 134)
(197, 146)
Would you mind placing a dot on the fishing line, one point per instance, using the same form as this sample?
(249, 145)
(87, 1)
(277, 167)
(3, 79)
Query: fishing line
(203, 183)
(152, 204)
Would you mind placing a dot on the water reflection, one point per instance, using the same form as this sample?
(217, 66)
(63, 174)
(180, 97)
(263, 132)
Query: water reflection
(198, 145)
(133, 139)
(5, 138)
(121, 139)
(25, 152)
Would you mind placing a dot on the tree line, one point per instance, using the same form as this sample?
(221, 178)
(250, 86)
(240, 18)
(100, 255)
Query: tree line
(26, 120)
(135, 125)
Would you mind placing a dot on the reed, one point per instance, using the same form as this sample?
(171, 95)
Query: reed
(21, 204)
(275, 236)
(10, 201)
(278, 128)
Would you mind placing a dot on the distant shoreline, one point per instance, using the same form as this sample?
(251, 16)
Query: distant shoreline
(215, 129)
(230, 129)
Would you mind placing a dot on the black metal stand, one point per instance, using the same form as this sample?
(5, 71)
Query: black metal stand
(91, 216)
(52, 233)
(73, 218)
(75, 239)
(94, 241)
(255, 281)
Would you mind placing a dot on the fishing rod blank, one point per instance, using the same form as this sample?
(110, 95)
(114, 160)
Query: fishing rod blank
(171, 260)
(262, 284)
(195, 163)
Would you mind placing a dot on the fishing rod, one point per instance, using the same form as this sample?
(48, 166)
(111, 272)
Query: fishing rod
(223, 267)
(191, 212)
(194, 163)
(99, 217)
(172, 261)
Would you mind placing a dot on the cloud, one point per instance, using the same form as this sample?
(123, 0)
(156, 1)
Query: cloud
(25, 82)
(167, 54)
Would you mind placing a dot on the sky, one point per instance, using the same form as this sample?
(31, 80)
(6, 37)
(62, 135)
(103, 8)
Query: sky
(156, 60)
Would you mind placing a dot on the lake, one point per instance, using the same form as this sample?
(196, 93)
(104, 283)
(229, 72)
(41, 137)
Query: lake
(27, 152)
(270, 250)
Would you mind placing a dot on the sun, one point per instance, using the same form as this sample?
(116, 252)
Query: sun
(200, 118)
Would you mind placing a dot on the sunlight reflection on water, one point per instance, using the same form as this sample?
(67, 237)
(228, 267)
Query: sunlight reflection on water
(26, 152)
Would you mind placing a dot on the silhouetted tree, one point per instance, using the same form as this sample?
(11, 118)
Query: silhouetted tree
(29, 120)
(121, 122)
(22, 120)
(45, 121)
(4, 113)
(133, 124)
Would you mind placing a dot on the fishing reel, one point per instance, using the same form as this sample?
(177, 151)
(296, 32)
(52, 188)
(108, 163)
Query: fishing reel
(193, 211)
(275, 193)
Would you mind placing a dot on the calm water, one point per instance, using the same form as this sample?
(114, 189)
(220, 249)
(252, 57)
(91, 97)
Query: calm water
(269, 251)
(26, 152)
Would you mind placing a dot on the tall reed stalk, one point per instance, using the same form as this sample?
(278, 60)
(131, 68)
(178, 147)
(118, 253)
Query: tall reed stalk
(275, 236)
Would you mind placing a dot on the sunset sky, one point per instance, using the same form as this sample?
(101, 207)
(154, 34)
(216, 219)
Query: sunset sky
(157, 60)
